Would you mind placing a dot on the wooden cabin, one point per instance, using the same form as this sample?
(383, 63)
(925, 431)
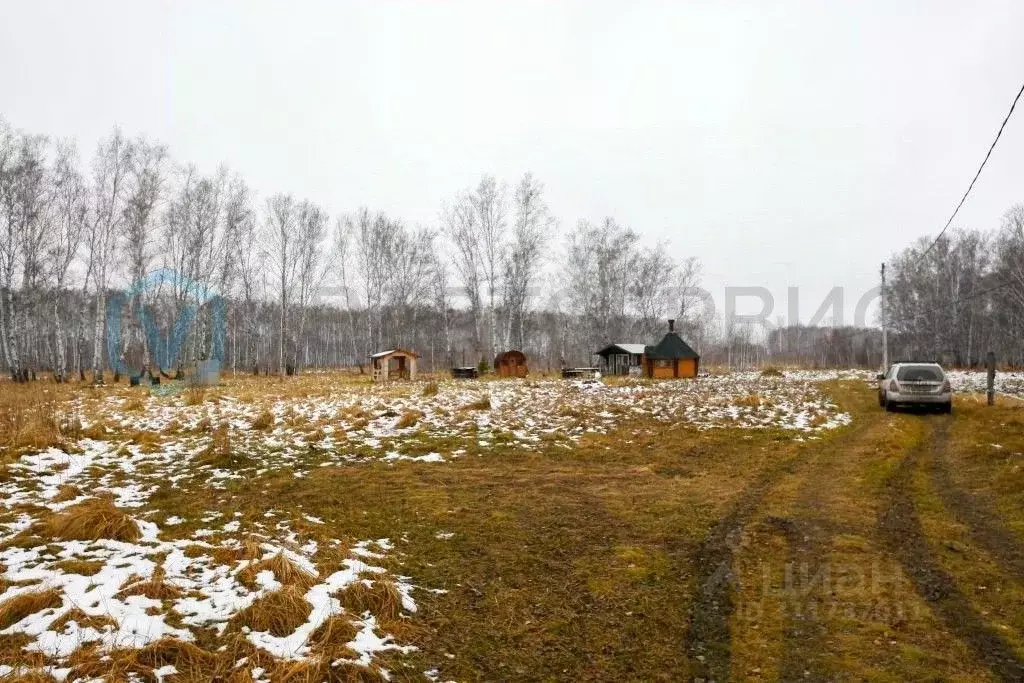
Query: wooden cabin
(671, 357)
(622, 359)
(511, 364)
(394, 364)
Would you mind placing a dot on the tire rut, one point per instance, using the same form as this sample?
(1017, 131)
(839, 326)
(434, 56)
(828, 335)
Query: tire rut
(809, 535)
(982, 521)
(709, 639)
(901, 527)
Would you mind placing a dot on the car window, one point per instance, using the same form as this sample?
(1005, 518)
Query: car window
(919, 373)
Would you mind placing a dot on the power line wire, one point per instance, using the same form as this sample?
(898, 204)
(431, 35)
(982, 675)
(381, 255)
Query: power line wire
(971, 186)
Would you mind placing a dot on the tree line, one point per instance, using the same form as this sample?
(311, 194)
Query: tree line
(295, 286)
(962, 298)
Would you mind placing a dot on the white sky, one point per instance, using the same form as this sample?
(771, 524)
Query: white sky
(783, 144)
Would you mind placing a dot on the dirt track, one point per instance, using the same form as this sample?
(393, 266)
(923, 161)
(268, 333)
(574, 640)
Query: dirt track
(828, 502)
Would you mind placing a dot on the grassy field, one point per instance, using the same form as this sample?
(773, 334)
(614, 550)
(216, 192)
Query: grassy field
(739, 527)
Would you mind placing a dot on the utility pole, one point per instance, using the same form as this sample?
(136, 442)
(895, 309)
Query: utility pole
(885, 327)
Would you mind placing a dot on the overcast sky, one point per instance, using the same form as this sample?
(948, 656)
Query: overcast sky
(791, 145)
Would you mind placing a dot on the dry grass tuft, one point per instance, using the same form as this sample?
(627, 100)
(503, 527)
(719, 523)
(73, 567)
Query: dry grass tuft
(218, 453)
(324, 669)
(31, 676)
(431, 389)
(482, 403)
(148, 442)
(331, 640)
(156, 588)
(380, 597)
(12, 651)
(31, 419)
(80, 567)
(249, 549)
(285, 571)
(409, 419)
(749, 401)
(98, 622)
(263, 421)
(134, 404)
(403, 629)
(195, 395)
(92, 520)
(66, 492)
(13, 610)
(772, 371)
(190, 661)
(278, 613)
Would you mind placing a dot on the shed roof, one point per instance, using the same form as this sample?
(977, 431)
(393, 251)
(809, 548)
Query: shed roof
(671, 347)
(406, 352)
(632, 349)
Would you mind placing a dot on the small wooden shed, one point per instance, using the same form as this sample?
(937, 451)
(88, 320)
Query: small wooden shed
(622, 359)
(394, 364)
(511, 364)
(671, 357)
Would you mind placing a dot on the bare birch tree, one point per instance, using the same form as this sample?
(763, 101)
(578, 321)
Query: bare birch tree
(534, 226)
(489, 203)
(108, 194)
(145, 187)
(279, 244)
(70, 212)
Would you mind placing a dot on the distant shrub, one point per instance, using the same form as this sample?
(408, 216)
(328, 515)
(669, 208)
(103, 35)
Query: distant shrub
(482, 367)
(772, 371)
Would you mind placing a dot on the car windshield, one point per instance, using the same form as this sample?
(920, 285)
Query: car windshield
(918, 373)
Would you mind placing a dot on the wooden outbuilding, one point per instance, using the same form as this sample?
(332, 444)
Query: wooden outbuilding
(622, 359)
(394, 364)
(671, 357)
(511, 364)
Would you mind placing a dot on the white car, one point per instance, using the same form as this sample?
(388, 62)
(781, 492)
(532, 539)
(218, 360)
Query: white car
(919, 384)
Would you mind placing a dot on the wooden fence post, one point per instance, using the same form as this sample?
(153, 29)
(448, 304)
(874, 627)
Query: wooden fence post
(990, 362)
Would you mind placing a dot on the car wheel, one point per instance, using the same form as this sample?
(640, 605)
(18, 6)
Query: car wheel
(888, 406)
(948, 408)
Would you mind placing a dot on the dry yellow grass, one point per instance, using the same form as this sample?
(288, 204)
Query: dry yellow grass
(80, 567)
(482, 403)
(248, 549)
(98, 622)
(155, 588)
(14, 609)
(285, 571)
(323, 669)
(91, 520)
(409, 419)
(431, 389)
(192, 662)
(380, 597)
(263, 421)
(278, 613)
(66, 492)
(195, 395)
(32, 418)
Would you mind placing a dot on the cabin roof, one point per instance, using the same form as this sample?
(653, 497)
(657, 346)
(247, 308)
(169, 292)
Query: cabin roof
(671, 347)
(404, 352)
(632, 349)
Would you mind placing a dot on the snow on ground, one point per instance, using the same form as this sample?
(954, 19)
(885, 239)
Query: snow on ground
(365, 423)
(138, 445)
(205, 592)
(1009, 383)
